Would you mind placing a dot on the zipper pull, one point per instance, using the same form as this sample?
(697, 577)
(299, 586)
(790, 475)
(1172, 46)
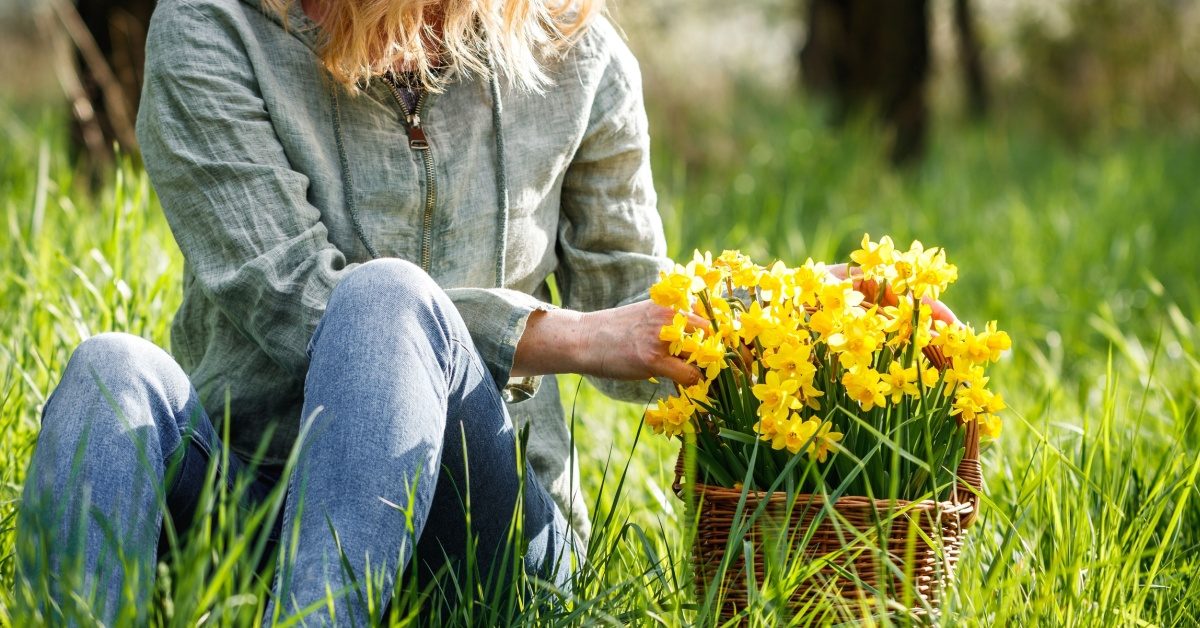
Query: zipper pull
(416, 135)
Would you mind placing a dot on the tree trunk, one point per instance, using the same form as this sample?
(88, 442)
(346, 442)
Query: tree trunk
(109, 37)
(972, 60)
(874, 56)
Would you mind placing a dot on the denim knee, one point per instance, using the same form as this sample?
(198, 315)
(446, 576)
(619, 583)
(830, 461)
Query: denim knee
(388, 278)
(116, 369)
(394, 288)
(113, 350)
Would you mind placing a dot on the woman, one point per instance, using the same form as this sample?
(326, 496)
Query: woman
(370, 196)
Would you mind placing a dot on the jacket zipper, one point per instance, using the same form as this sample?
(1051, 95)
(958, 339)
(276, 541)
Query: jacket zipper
(417, 141)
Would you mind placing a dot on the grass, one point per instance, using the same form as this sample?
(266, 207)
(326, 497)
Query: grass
(1086, 255)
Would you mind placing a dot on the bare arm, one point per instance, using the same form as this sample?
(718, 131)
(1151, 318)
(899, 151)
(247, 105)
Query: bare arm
(618, 343)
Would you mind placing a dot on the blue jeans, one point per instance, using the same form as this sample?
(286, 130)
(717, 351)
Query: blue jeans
(401, 418)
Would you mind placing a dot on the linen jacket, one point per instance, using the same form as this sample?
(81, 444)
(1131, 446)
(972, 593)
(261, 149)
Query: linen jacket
(276, 182)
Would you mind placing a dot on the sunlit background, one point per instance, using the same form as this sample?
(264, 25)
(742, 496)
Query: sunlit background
(1052, 147)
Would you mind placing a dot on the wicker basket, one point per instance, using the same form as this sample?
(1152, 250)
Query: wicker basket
(848, 539)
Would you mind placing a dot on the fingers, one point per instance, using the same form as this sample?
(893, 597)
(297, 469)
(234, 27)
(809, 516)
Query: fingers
(939, 310)
(843, 270)
(681, 372)
(745, 353)
(869, 290)
(889, 297)
(695, 322)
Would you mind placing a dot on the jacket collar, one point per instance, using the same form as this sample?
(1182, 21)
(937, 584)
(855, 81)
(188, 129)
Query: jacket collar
(295, 22)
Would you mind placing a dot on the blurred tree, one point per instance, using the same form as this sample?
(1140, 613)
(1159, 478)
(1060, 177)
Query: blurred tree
(868, 55)
(972, 59)
(1111, 66)
(109, 38)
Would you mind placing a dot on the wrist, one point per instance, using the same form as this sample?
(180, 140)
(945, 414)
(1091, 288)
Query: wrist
(569, 340)
(586, 350)
(554, 341)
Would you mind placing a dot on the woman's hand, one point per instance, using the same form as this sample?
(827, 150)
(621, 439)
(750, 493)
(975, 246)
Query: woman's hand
(869, 290)
(618, 343)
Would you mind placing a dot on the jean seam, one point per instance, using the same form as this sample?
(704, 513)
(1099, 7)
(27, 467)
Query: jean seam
(282, 547)
(484, 376)
(183, 443)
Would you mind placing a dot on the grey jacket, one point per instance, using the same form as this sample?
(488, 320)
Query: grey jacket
(276, 182)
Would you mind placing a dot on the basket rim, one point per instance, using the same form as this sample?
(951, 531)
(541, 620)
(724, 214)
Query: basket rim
(724, 494)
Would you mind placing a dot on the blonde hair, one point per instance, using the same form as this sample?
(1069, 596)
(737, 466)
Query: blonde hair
(362, 39)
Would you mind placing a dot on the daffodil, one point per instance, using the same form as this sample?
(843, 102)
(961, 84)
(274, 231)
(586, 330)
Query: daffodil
(825, 440)
(824, 323)
(875, 259)
(753, 321)
(974, 400)
(674, 333)
(898, 324)
(900, 381)
(808, 280)
(838, 296)
(963, 374)
(788, 357)
(924, 272)
(806, 374)
(975, 348)
(773, 281)
(709, 355)
(781, 330)
(698, 393)
(858, 339)
(742, 272)
(775, 392)
(997, 341)
(969, 402)
(671, 416)
(800, 435)
(864, 386)
(702, 269)
(674, 289)
(723, 318)
(929, 375)
(990, 425)
(951, 338)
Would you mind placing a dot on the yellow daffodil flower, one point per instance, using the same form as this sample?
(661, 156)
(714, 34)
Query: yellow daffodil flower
(753, 321)
(673, 290)
(864, 386)
(777, 393)
(901, 381)
(674, 333)
(825, 440)
(702, 269)
(709, 355)
(875, 259)
(839, 296)
(800, 435)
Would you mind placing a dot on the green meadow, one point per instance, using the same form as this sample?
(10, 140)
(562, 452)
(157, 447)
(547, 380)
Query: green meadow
(1086, 254)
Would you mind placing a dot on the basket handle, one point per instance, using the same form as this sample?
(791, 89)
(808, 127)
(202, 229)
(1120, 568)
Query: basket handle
(677, 484)
(970, 474)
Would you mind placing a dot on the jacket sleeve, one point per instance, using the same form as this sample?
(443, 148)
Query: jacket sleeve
(496, 319)
(610, 241)
(239, 212)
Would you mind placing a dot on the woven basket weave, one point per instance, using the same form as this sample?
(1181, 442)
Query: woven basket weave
(851, 544)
